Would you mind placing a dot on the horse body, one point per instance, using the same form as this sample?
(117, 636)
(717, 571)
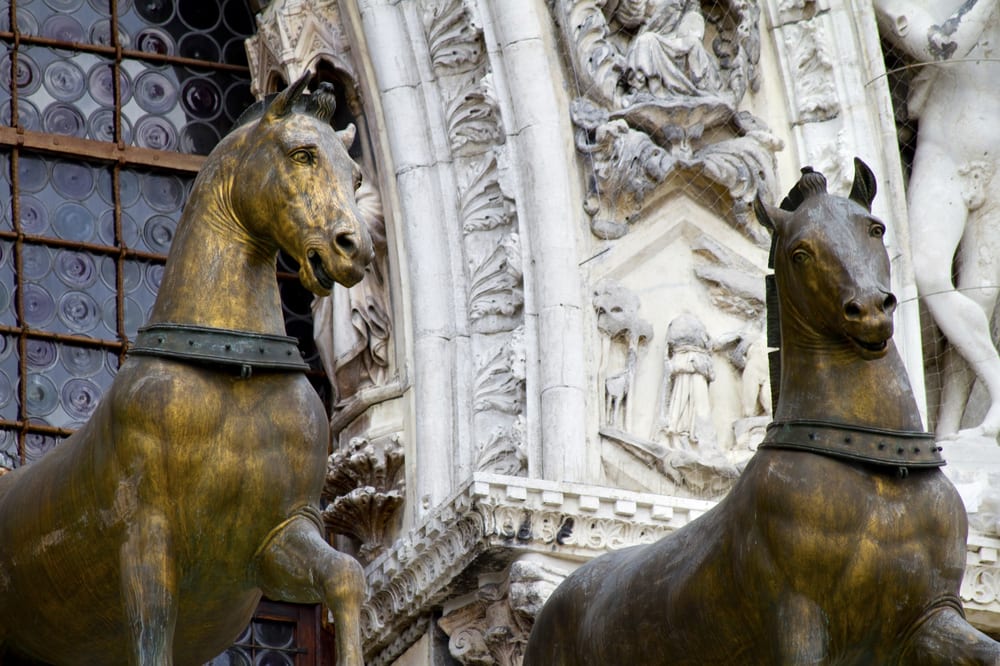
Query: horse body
(149, 536)
(811, 558)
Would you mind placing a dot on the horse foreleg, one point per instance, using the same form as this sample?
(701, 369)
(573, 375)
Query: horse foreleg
(801, 633)
(299, 566)
(149, 586)
(945, 638)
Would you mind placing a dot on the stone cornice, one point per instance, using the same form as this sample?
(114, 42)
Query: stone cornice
(507, 516)
(504, 516)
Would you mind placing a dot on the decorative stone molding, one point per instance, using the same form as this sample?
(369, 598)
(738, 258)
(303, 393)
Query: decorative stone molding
(498, 398)
(491, 244)
(493, 629)
(659, 101)
(503, 517)
(814, 95)
(292, 35)
(492, 520)
(365, 489)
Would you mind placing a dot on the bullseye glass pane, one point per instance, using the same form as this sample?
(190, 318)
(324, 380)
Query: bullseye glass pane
(9, 457)
(9, 359)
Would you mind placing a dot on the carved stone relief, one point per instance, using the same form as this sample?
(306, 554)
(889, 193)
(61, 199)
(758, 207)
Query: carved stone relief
(491, 244)
(492, 629)
(661, 84)
(364, 491)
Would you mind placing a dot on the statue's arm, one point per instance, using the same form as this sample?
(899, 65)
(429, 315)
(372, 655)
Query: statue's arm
(912, 28)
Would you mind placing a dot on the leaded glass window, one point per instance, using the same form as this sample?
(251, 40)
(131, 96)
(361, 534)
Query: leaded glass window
(106, 109)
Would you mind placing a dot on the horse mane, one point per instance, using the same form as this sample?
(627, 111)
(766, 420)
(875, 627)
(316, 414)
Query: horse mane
(321, 104)
(810, 184)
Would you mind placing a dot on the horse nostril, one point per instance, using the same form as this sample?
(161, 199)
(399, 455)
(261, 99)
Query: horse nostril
(853, 310)
(889, 304)
(345, 242)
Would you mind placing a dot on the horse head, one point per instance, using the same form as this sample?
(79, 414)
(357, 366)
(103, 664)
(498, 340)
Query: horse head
(831, 266)
(293, 186)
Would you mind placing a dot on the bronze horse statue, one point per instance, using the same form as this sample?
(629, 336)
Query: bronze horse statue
(842, 542)
(149, 535)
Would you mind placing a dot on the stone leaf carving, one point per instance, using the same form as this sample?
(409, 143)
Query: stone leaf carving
(502, 452)
(484, 204)
(653, 89)
(453, 41)
(500, 377)
(814, 89)
(495, 281)
(365, 489)
(473, 120)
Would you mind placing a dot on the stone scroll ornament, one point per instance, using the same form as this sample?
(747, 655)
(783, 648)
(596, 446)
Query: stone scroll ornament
(661, 83)
(842, 541)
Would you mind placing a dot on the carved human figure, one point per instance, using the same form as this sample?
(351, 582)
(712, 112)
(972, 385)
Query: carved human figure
(667, 56)
(953, 198)
(352, 325)
(685, 415)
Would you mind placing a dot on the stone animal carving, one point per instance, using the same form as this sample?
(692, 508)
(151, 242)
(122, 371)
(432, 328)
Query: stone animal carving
(842, 542)
(149, 535)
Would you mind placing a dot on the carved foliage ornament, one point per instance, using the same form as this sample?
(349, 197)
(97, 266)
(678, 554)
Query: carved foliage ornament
(660, 84)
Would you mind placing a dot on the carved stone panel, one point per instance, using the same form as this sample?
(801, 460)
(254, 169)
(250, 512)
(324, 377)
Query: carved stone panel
(661, 84)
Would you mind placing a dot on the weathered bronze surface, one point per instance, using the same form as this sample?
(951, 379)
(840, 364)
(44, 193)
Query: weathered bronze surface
(148, 536)
(812, 558)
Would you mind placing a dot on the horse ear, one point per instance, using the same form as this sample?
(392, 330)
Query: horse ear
(283, 103)
(347, 135)
(769, 216)
(864, 188)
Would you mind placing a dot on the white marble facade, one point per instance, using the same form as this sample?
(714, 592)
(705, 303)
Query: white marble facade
(560, 349)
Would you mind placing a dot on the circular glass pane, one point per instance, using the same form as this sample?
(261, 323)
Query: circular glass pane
(76, 269)
(155, 92)
(130, 230)
(101, 82)
(155, 132)
(63, 28)
(80, 397)
(42, 398)
(163, 193)
(73, 180)
(82, 361)
(32, 173)
(274, 634)
(153, 40)
(198, 46)
(198, 14)
(67, 6)
(159, 233)
(27, 76)
(101, 126)
(201, 98)
(63, 119)
(155, 11)
(198, 139)
(36, 261)
(28, 117)
(34, 216)
(36, 445)
(39, 308)
(41, 354)
(64, 80)
(73, 222)
(78, 311)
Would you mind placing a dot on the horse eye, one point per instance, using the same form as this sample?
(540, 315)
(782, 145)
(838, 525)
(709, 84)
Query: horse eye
(357, 179)
(876, 231)
(800, 256)
(303, 156)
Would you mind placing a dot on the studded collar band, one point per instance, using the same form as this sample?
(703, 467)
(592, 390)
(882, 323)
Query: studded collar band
(202, 345)
(896, 448)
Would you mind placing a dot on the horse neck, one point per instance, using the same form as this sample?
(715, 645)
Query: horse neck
(835, 384)
(217, 275)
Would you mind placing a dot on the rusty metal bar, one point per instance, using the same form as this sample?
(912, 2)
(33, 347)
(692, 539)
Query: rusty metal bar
(62, 338)
(93, 248)
(71, 146)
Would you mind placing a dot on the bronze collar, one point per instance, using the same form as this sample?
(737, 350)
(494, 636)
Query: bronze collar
(897, 448)
(202, 345)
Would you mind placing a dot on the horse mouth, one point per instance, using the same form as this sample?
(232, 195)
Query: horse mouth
(871, 349)
(324, 279)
